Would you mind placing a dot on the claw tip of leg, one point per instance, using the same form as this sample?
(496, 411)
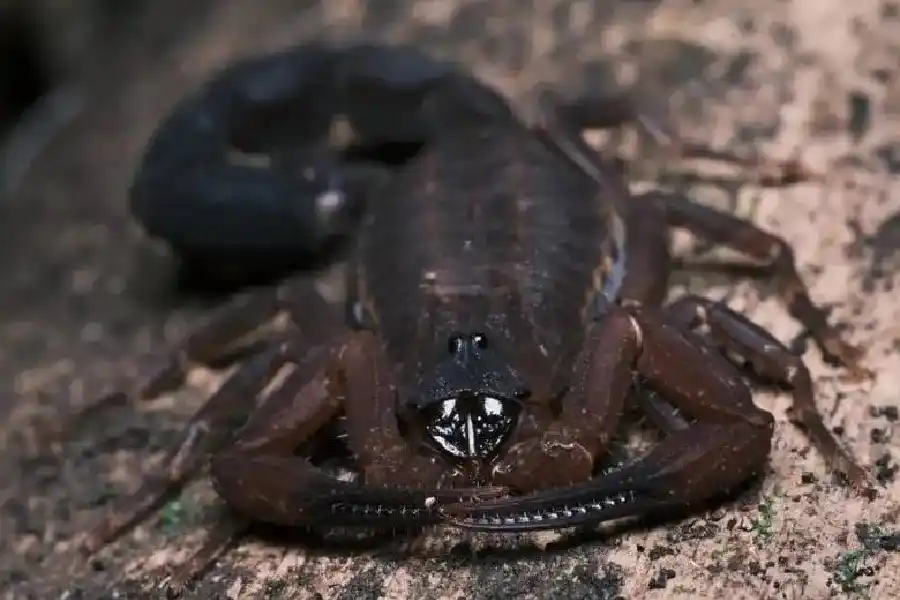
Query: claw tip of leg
(174, 589)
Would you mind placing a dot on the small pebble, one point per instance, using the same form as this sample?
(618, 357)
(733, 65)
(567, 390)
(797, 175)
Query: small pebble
(860, 115)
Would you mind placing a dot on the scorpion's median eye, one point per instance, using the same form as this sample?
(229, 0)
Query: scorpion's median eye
(456, 344)
(480, 340)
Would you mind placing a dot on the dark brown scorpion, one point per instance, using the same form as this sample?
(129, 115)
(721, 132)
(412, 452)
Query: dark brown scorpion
(505, 293)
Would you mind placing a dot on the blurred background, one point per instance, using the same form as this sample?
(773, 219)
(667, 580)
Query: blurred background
(46, 50)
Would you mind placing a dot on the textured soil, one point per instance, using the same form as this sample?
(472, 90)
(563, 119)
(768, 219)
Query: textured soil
(84, 300)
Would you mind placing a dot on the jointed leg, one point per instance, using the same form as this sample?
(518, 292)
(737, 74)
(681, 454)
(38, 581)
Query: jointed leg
(206, 436)
(562, 127)
(208, 430)
(563, 124)
(769, 360)
(231, 405)
(233, 326)
(260, 477)
(730, 231)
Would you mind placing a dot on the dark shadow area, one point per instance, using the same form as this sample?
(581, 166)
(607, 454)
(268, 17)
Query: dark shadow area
(25, 71)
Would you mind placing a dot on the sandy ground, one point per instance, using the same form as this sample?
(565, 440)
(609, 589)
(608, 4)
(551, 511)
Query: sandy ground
(84, 301)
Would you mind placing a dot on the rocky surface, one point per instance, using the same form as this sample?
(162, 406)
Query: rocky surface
(83, 300)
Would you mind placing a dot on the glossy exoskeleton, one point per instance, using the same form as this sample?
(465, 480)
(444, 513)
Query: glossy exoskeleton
(265, 168)
(505, 290)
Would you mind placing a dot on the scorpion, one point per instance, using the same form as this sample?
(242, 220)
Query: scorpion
(505, 292)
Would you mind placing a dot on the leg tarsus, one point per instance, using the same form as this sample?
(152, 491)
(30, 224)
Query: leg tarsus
(206, 344)
(769, 359)
(730, 231)
(614, 110)
(767, 172)
(207, 431)
(219, 540)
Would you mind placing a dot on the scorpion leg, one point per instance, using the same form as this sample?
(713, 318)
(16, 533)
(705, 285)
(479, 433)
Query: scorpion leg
(714, 225)
(727, 441)
(233, 402)
(260, 477)
(743, 236)
(236, 325)
(206, 431)
(771, 361)
(564, 121)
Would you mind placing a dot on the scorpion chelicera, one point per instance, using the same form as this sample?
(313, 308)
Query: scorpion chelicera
(505, 293)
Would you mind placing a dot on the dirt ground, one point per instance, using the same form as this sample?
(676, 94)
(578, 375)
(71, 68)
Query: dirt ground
(83, 300)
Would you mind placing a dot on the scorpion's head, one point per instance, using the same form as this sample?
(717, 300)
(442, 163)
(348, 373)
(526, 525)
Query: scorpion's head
(468, 403)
